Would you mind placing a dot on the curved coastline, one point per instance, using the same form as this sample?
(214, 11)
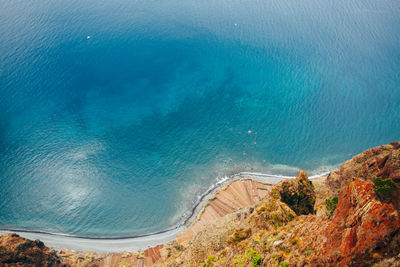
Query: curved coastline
(105, 244)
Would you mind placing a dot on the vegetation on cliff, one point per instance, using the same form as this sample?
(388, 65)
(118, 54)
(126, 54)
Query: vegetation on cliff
(298, 193)
(382, 161)
(386, 189)
(18, 251)
(355, 225)
(331, 204)
(351, 218)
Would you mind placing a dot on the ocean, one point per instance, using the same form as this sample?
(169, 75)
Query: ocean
(115, 116)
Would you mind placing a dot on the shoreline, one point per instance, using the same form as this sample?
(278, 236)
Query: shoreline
(102, 244)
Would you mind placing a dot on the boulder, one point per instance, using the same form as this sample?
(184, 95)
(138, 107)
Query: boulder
(298, 194)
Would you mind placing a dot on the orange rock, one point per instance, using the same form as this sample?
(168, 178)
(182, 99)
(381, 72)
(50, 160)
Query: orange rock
(360, 225)
(382, 161)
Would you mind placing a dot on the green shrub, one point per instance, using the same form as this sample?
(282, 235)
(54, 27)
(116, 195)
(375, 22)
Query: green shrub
(283, 264)
(331, 205)
(211, 258)
(256, 259)
(209, 261)
(385, 189)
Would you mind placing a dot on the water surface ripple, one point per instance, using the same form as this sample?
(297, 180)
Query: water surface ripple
(115, 116)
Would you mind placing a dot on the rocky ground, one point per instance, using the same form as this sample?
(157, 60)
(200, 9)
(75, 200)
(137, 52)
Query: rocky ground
(18, 251)
(349, 218)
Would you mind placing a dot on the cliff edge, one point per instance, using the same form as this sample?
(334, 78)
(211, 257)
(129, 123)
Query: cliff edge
(349, 218)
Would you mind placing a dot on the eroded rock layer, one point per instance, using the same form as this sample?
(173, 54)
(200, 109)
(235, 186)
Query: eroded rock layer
(382, 161)
(253, 224)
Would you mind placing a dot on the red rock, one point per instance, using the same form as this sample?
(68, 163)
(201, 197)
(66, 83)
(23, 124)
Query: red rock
(382, 161)
(360, 225)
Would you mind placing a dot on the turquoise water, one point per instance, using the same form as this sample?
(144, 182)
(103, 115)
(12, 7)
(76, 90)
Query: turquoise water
(116, 115)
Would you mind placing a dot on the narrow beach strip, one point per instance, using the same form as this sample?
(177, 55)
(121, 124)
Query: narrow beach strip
(141, 242)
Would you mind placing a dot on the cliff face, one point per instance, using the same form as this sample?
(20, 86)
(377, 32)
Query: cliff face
(268, 233)
(282, 229)
(362, 227)
(382, 161)
(18, 251)
(251, 224)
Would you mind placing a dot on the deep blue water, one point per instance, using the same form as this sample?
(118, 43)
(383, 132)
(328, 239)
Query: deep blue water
(117, 134)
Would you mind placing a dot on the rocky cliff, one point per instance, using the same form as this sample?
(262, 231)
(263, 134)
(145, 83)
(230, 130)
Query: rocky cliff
(351, 218)
(291, 225)
(18, 251)
(382, 161)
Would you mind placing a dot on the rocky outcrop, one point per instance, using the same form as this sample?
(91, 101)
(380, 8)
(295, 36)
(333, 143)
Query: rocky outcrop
(298, 193)
(382, 161)
(261, 234)
(361, 226)
(18, 251)
(363, 230)
(254, 224)
(272, 212)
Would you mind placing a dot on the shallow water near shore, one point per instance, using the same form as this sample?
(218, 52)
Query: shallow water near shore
(116, 116)
(107, 244)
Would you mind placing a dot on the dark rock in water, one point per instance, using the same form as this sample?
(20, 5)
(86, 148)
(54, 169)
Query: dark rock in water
(298, 194)
(18, 251)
